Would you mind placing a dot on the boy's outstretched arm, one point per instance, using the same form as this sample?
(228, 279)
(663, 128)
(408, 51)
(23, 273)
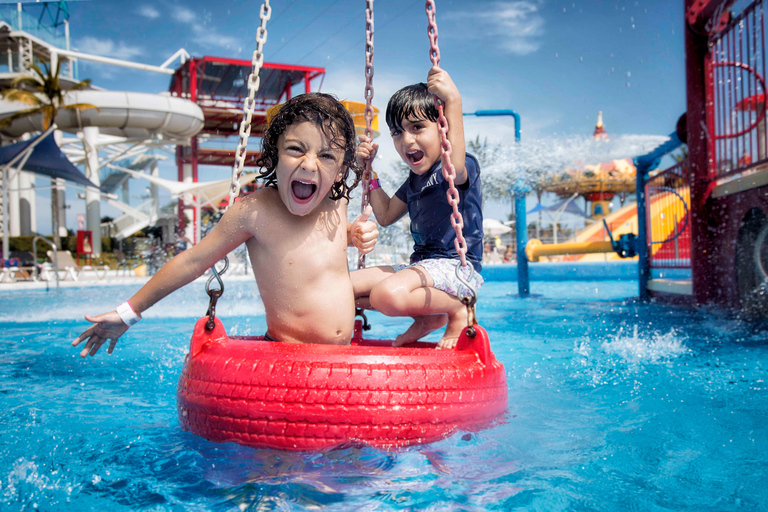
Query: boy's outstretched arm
(440, 84)
(387, 209)
(181, 270)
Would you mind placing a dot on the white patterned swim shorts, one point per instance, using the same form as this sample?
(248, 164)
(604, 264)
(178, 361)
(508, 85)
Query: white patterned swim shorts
(443, 273)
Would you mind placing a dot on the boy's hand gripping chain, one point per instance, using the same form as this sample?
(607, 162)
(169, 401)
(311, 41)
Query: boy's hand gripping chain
(245, 131)
(368, 113)
(449, 172)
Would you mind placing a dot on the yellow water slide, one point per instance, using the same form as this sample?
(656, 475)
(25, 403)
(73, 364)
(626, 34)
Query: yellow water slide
(666, 215)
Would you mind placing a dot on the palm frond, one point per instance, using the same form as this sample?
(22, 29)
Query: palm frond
(36, 69)
(80, 85)
(31, 81)
(21, 96)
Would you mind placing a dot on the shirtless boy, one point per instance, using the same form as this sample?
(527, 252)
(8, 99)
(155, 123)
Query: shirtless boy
(295, 228)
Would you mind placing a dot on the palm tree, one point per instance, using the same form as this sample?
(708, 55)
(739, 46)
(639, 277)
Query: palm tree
(43, 91)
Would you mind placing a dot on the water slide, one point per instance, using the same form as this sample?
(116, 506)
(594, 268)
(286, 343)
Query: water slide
(667, 218)
(120, 113)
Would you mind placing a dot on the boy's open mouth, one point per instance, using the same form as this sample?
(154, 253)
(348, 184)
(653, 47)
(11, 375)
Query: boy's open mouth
(303, 190)
(415, 157)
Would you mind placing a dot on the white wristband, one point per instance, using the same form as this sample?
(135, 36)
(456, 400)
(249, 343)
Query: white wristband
(127, 314)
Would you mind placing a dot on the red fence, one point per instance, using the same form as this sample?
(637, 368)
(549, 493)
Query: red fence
(669, 229)
(736, 70)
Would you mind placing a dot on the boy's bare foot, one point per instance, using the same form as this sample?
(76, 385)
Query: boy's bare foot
(446, 342)
(421, 326)
(456, 324)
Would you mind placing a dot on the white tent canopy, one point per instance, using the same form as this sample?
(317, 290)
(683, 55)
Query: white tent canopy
(208, 193)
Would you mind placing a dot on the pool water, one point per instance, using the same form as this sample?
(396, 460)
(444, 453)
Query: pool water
(613, 405)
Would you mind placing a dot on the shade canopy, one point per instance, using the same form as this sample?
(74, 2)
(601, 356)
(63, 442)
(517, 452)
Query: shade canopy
(46, 159)
(492, 227)
(564, 206)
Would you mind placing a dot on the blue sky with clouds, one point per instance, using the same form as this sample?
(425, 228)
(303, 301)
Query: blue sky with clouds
(556, 62)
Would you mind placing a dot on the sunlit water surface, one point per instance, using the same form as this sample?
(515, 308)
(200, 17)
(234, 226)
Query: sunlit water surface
(613, 405)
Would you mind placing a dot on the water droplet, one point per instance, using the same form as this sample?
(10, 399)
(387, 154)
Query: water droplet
(581, 59)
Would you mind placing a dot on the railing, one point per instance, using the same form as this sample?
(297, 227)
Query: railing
(55, 257)
(669, 228)
(736, 71)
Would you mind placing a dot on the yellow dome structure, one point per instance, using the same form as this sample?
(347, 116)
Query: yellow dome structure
(355, 108)
(597, 183)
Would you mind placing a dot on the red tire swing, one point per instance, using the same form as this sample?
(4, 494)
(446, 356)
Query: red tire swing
(304, 397)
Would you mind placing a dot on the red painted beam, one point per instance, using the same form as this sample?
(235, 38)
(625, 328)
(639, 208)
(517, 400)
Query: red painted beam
(708, 16)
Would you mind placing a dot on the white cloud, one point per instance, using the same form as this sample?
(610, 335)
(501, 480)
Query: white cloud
(108, 48)
(149, 12)
(516, 25)
(204, 34)
(182, 14)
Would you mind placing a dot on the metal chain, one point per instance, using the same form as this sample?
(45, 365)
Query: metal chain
(368, 113)
(449, 172)
(245, 131)
(249, 103)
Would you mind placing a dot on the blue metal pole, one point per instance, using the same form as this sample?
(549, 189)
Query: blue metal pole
(643, 263)
(521, 234)
(643, 164)
(515, 115)
(518, 192)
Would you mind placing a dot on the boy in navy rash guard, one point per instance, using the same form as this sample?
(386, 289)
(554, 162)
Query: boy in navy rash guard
(427, 289)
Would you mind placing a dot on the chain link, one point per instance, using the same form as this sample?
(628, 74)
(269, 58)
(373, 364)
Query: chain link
(449, 171)
(249, 102)
(368, 113)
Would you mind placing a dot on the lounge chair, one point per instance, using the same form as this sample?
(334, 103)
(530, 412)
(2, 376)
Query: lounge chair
(70, 269)
(20, 265)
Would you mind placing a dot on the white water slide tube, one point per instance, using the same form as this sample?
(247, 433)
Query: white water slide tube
(120, 113)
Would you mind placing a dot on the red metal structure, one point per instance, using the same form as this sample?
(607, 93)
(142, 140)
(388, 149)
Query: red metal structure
(668, 211)
(219, 85)
(726, 90)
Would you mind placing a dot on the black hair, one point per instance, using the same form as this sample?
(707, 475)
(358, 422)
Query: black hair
(411, 101)
(335, 122)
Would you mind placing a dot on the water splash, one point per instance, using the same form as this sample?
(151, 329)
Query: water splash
(533, 161)
(643, 349)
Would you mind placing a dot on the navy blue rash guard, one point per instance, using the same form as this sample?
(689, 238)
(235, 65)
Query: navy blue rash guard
(430, 212)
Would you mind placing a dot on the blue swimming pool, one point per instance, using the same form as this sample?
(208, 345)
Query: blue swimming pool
(614, 405)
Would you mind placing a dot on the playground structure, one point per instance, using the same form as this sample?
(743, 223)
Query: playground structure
(707, 216)
(131, 132)
(128, 129)
(596, 183)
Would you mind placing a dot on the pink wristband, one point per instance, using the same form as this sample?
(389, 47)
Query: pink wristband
(373, 184)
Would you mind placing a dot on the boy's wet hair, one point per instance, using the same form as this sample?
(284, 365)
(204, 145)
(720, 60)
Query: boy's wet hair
(334, 121)
(413, 101)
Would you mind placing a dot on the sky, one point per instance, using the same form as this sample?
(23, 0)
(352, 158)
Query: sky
(555, 62)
